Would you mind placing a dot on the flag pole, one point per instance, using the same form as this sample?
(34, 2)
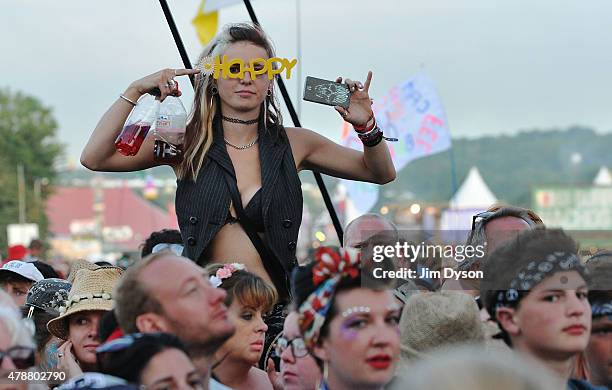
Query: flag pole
(298, 27)
(453, 170)
(177, 39)
(296, 123)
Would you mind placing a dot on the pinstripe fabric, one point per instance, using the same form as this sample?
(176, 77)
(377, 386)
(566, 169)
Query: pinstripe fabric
(202, 206)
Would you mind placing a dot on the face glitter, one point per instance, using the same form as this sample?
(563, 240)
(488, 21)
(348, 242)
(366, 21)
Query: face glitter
(355, 309)
(347, 331)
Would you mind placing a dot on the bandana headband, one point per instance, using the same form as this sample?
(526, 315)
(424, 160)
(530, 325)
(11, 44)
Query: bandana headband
(330, 267)
(534, 273)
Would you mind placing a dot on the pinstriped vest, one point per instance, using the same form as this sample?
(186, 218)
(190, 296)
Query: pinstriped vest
(202, 206)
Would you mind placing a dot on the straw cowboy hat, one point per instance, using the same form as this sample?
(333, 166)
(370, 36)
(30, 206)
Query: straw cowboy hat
(79, 264)
(91, 290)
(437, 319)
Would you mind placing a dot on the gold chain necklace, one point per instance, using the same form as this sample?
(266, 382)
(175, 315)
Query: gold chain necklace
(241, 147)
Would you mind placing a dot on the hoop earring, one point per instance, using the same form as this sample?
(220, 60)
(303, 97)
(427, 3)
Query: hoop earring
(269, 93)
(214, 90)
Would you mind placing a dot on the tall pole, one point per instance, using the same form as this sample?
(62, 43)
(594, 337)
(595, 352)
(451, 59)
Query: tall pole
(298, 24)
(21, 193)
(451, 155)
(177, 38)
(37, 197)
(98, 208)
(281, 85)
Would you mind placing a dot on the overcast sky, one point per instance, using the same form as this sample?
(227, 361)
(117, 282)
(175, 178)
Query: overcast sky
(499, 65)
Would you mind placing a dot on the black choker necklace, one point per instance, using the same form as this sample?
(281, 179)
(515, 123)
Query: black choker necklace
(236, 120)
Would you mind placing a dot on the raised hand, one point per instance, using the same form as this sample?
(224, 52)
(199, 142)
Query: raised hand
(360, 108)
(161, 83)
(274, 377)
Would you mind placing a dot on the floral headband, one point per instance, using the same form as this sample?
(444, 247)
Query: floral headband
(534, 273)
(225, 272)
(330, 266)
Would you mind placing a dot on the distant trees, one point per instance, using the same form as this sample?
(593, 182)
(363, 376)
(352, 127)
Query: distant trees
(28, 137)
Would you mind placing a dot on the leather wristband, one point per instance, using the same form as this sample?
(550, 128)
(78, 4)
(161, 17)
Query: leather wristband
(373, 141)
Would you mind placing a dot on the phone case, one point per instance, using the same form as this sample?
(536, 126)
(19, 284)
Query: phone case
(326, 92)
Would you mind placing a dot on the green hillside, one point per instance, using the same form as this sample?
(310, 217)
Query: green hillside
(511, 165)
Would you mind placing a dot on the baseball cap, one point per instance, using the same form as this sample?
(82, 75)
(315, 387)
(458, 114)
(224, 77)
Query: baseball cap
(17, 252)
(27, 270)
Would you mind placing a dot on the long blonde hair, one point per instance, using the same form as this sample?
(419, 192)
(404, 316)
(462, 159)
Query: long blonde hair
(206, 105)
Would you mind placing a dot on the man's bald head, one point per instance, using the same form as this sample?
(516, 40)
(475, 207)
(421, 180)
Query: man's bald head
(362, 228)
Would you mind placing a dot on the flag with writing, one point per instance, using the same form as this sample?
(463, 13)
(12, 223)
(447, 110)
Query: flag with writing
(411, 112)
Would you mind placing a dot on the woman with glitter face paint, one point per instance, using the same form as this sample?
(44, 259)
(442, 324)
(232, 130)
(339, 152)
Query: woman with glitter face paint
(339, 318)
(535, 287)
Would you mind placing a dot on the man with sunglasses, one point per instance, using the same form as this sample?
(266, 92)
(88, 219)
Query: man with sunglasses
(490, 229)
(298, 369)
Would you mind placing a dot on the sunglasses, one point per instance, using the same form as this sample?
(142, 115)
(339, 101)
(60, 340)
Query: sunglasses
(177, 249)
(482, 217)
(22, 357)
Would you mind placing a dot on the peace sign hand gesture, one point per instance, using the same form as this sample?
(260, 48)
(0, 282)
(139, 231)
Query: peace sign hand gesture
(360, 110)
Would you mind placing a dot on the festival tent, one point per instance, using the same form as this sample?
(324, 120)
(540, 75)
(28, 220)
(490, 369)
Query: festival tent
(603, 178)
(472, 197)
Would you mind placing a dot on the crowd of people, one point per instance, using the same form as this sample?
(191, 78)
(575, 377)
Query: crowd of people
(224, 304)
(540, 319)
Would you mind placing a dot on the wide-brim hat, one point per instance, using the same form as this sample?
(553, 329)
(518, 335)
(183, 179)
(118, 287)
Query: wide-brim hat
(91, 290)
(77, 265)
(437, 319)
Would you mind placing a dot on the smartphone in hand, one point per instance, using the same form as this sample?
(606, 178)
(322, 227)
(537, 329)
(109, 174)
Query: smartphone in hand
(327, 92)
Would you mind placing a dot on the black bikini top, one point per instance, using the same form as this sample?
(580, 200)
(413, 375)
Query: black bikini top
(253, 211)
